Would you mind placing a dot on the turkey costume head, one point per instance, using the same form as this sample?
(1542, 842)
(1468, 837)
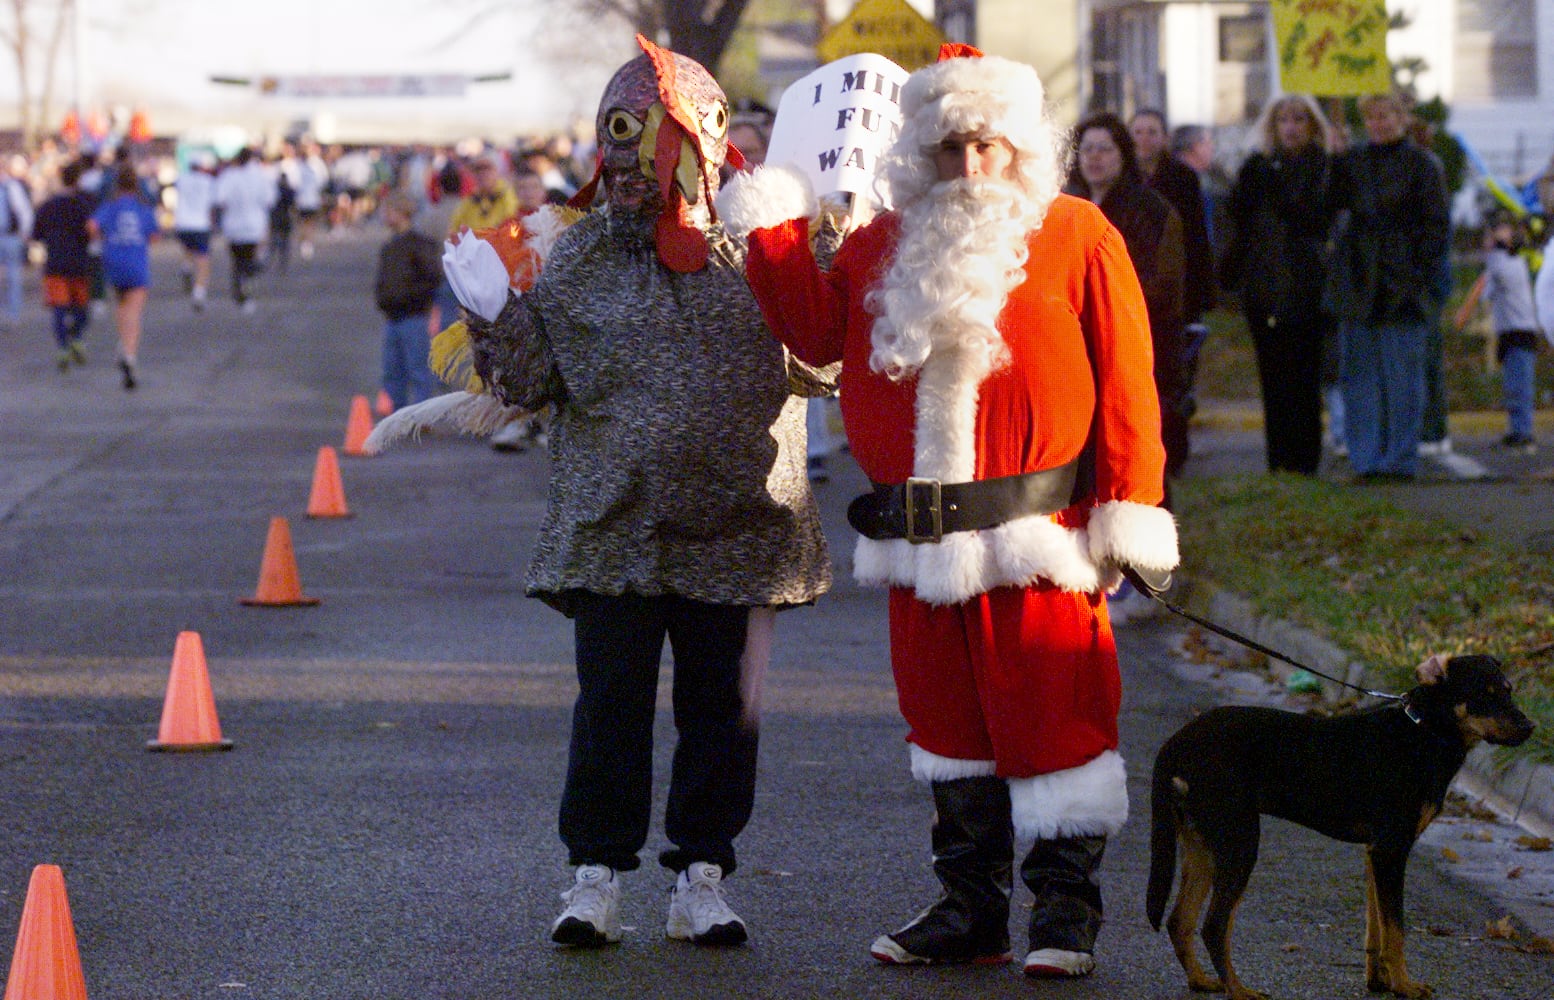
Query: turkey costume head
(663, 134)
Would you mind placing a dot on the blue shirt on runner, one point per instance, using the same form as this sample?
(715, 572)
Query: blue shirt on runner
(127, 225)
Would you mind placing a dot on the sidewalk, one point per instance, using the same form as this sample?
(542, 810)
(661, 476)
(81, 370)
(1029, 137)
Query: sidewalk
(1479, 485)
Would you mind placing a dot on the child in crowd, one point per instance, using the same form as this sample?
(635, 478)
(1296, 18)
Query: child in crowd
(62, 228)
(125, 225)
(1506, 285)
(409, 271)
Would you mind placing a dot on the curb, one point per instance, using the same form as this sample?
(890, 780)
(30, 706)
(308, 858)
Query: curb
(1521, 789)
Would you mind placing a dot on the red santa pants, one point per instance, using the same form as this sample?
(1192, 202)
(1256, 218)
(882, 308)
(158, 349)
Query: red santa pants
(1022, 676)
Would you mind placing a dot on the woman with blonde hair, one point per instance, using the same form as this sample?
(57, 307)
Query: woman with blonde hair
(1282, 209)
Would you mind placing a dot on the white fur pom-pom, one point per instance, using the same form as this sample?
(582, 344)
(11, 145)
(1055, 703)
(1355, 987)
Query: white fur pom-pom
(765, 197)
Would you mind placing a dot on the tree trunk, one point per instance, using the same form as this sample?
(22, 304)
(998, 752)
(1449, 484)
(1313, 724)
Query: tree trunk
(698, 35)
(40, 123)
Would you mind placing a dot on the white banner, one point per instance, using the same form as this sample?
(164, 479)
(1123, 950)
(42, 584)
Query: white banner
(838, 121)
(435, 85)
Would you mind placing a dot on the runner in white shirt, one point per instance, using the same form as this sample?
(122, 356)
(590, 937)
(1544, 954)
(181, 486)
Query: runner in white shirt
(311, 178)
(244, 193)
(196, 190)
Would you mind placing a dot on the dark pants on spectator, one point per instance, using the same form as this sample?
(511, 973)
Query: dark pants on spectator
(1289, 368)
(607, 802)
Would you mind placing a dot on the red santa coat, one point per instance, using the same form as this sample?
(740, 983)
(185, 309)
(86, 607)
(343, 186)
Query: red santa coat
(1003, 656)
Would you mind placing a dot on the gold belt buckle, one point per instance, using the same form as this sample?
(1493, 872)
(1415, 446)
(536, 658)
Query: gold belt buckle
(934, 510)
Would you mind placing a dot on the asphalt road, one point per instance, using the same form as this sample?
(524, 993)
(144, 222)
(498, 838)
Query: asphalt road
(384, 827)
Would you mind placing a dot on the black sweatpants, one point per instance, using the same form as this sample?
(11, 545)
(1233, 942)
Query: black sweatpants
(606, 805)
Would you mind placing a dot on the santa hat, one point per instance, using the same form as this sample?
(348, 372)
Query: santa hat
(974, 95)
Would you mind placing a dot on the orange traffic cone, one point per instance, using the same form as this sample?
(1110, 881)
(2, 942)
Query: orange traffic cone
(383, 406)
(358, 426)
(279, 586)
(189, 714)
(47, 962)
(328, 496)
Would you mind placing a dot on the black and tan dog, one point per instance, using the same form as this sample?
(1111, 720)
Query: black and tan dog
(1375, 778)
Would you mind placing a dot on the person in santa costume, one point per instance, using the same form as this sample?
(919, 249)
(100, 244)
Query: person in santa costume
(679, 505)
(997, 388)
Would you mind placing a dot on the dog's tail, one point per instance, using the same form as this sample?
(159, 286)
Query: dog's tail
(1164, 811)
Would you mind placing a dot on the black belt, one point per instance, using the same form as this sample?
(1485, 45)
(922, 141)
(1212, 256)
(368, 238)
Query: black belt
(925, 510)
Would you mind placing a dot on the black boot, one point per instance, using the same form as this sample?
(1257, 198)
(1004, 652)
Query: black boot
(1067, 913)
(973, 851)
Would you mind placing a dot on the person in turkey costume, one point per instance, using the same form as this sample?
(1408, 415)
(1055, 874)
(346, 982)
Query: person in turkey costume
(679, 505)
(997, 387)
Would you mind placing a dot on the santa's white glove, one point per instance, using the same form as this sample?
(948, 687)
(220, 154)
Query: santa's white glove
(477, 275)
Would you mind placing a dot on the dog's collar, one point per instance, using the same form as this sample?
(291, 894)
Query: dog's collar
(1413, 714)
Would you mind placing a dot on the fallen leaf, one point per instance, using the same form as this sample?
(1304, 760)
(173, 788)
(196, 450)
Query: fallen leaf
(1447, 854)
(1290, 948)
(1531, 843)
(1441, 931)
(1514, 872)
(1482, 836)
(1501, 930)
(1539, 946)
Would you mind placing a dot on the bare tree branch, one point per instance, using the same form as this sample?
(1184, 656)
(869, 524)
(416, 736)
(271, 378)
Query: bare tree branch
(699, 30)
(23, 39)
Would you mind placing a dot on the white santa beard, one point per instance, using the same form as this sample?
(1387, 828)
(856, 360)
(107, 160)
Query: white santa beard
(960, 252)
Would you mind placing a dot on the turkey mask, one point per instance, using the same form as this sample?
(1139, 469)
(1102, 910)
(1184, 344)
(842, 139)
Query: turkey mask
(663, 134)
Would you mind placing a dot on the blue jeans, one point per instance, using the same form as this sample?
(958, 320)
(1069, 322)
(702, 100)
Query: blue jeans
(12, 255)
(1516, 381)
(1384, 394)
(447, 306)
(406, 377)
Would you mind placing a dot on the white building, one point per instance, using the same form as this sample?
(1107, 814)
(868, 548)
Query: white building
(1208, 61)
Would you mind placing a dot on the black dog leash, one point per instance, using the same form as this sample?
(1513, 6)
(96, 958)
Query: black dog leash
(1155, 594)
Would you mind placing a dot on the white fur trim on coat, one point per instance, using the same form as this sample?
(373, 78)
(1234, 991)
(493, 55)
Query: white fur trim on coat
(765, 197)
(1133, 534)
(1083, 801)
(968, 563)
(931, 767)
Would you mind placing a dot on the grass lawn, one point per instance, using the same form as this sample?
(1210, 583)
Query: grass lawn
(1389, 586)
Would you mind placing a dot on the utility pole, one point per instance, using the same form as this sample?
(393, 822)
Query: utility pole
(77, 57)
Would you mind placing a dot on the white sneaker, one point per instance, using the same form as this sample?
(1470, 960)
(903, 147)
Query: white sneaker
(593, 914)
(697, 912)
(1055, 963)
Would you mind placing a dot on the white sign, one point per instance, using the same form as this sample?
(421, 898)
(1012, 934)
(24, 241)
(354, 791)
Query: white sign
(838, 121)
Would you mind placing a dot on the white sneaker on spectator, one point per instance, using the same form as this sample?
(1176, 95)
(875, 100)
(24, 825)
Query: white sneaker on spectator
(593, 914)
(697, 911)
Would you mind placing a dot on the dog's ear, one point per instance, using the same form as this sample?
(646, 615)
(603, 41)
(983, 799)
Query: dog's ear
(1431, 670)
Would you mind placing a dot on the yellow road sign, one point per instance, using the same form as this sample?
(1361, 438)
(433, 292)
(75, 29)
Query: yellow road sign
(892, 28)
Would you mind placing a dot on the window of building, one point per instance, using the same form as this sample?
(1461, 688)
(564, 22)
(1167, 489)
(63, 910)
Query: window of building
(1241, 72)
(1496, 55)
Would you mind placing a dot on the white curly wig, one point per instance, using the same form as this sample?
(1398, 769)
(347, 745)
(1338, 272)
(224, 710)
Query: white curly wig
(984, 96)
(963, 242)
